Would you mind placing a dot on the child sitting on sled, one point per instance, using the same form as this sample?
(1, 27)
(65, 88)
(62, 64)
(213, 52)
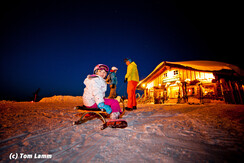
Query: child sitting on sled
(94, 92)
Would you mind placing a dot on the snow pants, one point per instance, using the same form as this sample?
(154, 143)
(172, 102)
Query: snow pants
(114, 104)
(112, 92)
(131, 91)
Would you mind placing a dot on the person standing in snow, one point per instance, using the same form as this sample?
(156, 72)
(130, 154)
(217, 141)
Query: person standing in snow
(112, 80)
(132, 76)
(94, 92)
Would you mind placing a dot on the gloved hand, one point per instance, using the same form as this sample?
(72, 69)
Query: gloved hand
(106, 107)
(113, 86)
(125, 80)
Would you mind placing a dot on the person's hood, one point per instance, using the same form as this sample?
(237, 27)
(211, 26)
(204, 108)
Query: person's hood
(90, 77)
(133, 63)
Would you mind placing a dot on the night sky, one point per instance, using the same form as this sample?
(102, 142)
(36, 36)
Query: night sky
(54, 45)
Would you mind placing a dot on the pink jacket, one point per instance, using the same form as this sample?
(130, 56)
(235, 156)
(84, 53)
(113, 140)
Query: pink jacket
(94, 91)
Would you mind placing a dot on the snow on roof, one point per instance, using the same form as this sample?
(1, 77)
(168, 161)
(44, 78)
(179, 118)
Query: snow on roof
(202, 65)
(208, 65)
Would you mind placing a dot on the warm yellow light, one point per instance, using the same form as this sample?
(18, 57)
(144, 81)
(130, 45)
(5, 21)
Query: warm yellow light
(206, 77)
(170, 74)
(209, 76)
(143, 85)
(150, 85)
(187, 80)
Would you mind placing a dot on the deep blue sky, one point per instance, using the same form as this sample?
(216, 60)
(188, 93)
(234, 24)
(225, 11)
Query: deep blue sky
(54, 45)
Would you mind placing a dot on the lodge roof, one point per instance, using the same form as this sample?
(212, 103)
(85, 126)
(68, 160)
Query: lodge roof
(202, 65)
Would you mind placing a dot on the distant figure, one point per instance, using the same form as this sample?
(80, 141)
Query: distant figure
(132, 76)
(112, 80)
(94, 92)
(36, 94)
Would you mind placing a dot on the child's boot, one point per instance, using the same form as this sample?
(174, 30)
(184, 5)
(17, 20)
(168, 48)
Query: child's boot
(114, 115)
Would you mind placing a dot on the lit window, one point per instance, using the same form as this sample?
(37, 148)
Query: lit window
(176, 72)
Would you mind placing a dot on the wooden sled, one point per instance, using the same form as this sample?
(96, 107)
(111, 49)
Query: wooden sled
(101, 113)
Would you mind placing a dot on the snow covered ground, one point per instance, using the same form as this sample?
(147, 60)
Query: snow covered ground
(155, 133)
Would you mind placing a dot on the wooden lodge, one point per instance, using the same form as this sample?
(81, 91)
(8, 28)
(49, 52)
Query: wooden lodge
(202, 81)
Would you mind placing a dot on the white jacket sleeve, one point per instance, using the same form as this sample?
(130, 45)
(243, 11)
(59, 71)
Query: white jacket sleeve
(97, 91)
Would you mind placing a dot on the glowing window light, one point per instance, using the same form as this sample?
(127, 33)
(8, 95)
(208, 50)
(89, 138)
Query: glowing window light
(187, 80)
(170, 74)
(209, 76)
(177, 82)
(150, 85)
(206, 77)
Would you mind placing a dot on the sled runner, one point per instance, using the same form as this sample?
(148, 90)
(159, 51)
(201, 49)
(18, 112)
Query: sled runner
(118, 123)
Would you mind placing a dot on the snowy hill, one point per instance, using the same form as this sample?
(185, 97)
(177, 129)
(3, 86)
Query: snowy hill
(155, 133)
(61, 98)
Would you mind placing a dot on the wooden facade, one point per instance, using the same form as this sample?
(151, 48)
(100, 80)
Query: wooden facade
(180, 82)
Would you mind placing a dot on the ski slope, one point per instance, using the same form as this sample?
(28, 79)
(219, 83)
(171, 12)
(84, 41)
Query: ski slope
(155, 133)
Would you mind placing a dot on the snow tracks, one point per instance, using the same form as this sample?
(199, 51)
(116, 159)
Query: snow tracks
(155, 133)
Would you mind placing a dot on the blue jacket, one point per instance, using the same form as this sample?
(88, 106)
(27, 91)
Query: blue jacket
(113, 78)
